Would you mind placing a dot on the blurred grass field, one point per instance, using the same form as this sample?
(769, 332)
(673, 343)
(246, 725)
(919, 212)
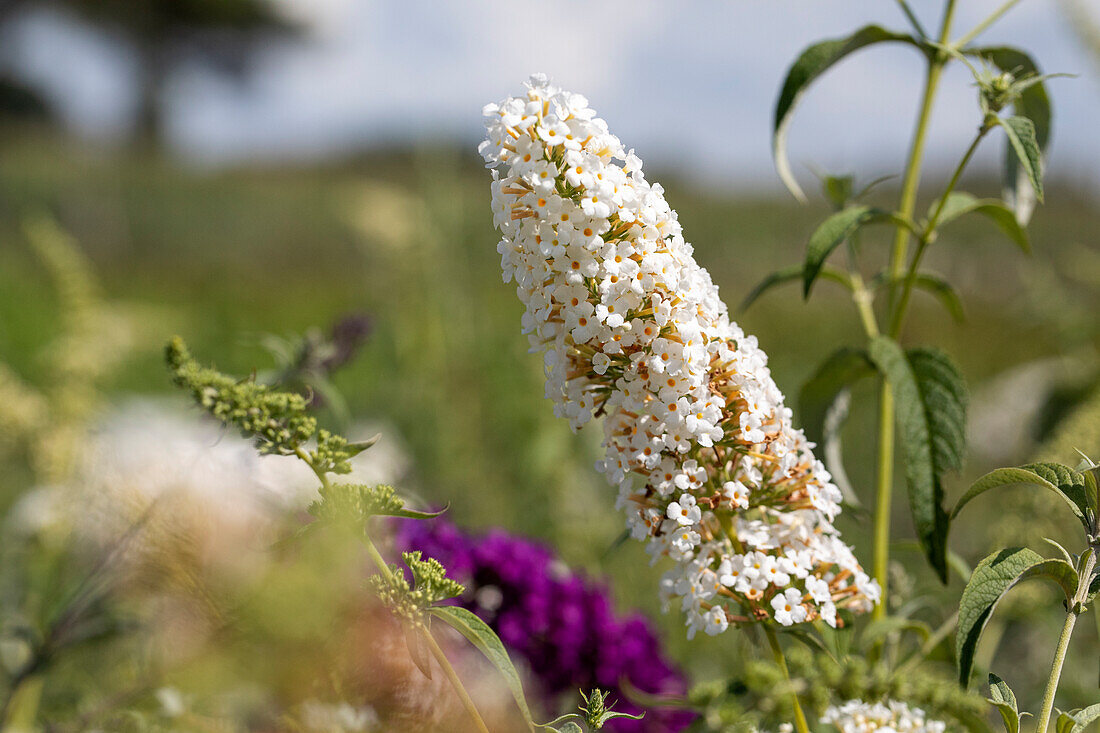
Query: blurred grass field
(224, 258)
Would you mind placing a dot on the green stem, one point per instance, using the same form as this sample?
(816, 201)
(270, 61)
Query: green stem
(906, 205)
(929, 233)
(387, 573)
(864, 304)
(912, 18)
(800, 723)
(1076, 607)
(448, 670)
(1056, 671)
(981, 27)
(884, 494)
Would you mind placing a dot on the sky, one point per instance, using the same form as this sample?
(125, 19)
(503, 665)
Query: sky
(690, 84)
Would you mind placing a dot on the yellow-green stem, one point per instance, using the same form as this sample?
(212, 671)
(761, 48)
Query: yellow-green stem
(1076, 606)
(884, 494)
(455, 681)
(1056, 672)
(906, 205)
(929, 234)
(980, 28)
(800, 723)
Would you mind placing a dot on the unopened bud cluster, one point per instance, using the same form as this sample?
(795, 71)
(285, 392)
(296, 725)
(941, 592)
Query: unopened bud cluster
(409, 601)
(709, 468)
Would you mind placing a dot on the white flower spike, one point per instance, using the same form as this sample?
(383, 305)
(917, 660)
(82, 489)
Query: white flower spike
(710, 470)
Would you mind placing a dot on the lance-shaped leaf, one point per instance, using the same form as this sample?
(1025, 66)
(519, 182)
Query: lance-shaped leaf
(1062, 480)
(993, 577)
(942, 291)
(1021, 137)
(960, 203)
(1034, 104)
(1082, 719)
(790, 274)
(418, 648)
(832, 232)
(840, 370)
(485, 639)
(823, 404)
(1001, 695)
(933, 284)
(879, 629)
(812, 63)
(931, 412)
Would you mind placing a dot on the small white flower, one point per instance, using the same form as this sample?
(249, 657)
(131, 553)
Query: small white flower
(684, 511)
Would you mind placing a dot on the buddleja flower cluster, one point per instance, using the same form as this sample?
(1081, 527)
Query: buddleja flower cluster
(856, 716)
(709, 468)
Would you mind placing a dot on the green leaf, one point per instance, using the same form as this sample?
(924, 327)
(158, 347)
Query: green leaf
(1094, 588)
(1001, 695)
(485, 639)
(942, 291)
(959, 204)
(946, 399)
(1084, 718)
(812, 63)
(881, 628)
(418, 648)
(1034, 104)
(811, 640)
(570, 727)
(823, 404)
(1062, 480)
(840, 370)
(931, 412)
(838, 189)
(833, 231)
(790, 274)
(1021, 136)
(1064, 722)
(993, 577)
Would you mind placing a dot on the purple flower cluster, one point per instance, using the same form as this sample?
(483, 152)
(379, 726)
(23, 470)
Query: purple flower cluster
(561, 623)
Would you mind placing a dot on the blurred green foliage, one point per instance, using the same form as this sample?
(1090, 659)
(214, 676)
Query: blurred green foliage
(226, 258)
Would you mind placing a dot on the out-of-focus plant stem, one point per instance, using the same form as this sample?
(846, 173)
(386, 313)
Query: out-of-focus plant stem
(387, 573)
(800, 723)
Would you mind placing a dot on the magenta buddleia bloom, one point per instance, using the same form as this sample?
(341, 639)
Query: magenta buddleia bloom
(710, 469)
(560, 623)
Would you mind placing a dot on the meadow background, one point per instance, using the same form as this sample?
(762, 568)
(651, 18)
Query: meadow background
(226, 241)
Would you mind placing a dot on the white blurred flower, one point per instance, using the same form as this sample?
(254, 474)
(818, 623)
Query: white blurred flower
(856, 716)
(156, 477)
(632, 328)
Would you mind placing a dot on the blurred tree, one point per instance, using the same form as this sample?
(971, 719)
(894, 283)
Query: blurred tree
(224, 34)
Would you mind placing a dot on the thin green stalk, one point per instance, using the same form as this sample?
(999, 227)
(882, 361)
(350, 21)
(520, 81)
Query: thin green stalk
(906, 206)
(387, 573)
(800, 723)
(1056, 671)
(911, 16)
(981, 27)
(1076, 606)
(884, 494)
(929, 234)
(455, 681)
